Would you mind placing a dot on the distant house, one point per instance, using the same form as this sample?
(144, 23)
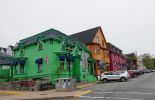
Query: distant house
(117, 60)
(2, 50)
(140, 63)
(131, 61)
(9, 50)
(96, 42)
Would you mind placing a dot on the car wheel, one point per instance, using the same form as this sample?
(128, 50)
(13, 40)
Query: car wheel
(105, 80)
(123, 79)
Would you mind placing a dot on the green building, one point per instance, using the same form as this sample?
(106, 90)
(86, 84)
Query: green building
(5, 69)
(50, 55)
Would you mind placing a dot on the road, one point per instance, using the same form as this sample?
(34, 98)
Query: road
(141, 88)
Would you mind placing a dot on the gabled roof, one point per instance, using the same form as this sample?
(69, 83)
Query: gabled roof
(11, 47)
(113, 48)
(86, 36)
(1, 48)
(4, 49)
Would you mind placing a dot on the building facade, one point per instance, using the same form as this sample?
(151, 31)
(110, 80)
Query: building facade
(5, 69)
(96, 42)
(7, 51)
(117, 60)
(131, 61)
(50, 55)
(140, 65)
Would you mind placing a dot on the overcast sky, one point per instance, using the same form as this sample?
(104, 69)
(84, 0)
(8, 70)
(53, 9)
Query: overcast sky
(128, 24)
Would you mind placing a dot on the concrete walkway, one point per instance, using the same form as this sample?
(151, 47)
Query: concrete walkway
(41, 95)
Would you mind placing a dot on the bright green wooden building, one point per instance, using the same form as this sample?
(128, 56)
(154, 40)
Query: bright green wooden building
(50, 55)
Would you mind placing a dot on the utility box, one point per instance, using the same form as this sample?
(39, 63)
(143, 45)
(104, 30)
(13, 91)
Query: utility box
(65, 84)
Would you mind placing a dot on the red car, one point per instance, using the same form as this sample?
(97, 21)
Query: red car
(131, 73)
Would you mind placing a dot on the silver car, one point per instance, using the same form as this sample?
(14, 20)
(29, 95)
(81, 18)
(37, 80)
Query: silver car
(108, 76)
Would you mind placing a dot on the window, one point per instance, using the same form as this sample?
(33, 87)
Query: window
(39, 62)
(15, 66)
(21, 63)
(97, 50)
(39, 67)
(68, 65)
(40, 47)
(116, 73)
(21, 68)
(108, 73)
(62, 64)
(62, 61)
(97, 39)
(90, 68)
(21, 52)
(16, 69)
(102, 42)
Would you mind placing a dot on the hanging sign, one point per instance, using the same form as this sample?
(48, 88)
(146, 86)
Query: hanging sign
(46, 60)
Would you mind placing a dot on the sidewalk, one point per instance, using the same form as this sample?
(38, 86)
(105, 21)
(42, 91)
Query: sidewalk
(42, 95)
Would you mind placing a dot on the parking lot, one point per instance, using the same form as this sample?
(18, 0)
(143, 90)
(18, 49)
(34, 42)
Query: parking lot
(141, 88)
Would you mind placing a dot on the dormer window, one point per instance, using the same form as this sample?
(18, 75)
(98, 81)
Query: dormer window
(40, 46)
(97, 39)
(21, 52)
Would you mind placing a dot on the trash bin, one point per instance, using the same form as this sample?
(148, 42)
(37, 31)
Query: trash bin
(65, 84)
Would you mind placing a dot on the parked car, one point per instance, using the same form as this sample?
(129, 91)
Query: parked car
(109, 76)
(152, 70)
(141, 72)
(146, 71)
(136, 73)
(125, 73)
(131, 73)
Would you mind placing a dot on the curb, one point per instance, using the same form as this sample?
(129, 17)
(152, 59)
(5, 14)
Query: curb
(84, 85)
(10, 93)
(65, 97)
(49, 98)
(83, 93)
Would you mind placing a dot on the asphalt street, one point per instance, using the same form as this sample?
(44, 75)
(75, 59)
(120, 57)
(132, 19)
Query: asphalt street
(141, 88)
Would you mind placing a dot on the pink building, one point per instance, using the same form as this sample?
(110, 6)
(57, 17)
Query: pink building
(117, 60)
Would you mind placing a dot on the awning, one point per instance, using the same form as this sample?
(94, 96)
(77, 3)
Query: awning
(39, 61)
(22, 61)
(15, 62)
(62, 57)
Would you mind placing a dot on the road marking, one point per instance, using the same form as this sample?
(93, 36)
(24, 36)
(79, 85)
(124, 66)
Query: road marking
(119, 98)
(82, 93)
(84, 85)
(124, 92)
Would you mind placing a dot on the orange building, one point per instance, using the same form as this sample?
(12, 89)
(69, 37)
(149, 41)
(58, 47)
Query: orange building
(96, 42)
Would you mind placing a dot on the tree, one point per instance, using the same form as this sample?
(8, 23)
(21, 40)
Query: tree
(153, 60)
(148, 61)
